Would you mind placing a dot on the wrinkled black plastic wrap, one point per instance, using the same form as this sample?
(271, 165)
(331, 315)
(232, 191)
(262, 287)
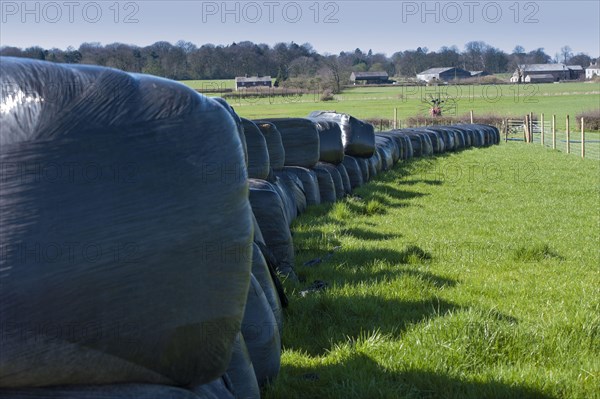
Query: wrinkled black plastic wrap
(270, 215)
(406, 151)
(274, 144)
(331, 145)
(288, 198)
(393, 144)
(374, 165)
(300, 140)
(213, 390)
(338, 184)
(126, 225)
(363, 164)
(354, 172)
(428, 143)
(295, 186)
(260, 270)
(261, 334)
(385, 147)
(358, 137)
(310, 184)
(258, 156)
(416, 142)
(241, 371)
(345, 178)
(435, 139)
(238, 123)
(326, 186)
(271, 261)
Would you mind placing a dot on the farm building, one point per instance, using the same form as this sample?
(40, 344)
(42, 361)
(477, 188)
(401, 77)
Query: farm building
(479, 74)
(577, 71)
(370, 77)
(443, 74)
(557, 71)
(541, 78)
(592, 70)
(252, 81)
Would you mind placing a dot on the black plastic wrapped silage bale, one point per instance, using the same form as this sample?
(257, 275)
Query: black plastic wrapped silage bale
(258, 155)
(270, 214)
(326, 186)
(331, 145)
(392, 143)
(274, 144)
(345, 178)
(436, 140)
(288, 198)
(295, 186)
(363, 164)
(338, 184)
(214, 390)
(358, 137)
(142, 185)
(261, 335)
(310, 183)
(238, 122)
(260, 270)
(271, 262)
(354, 172)
(241, 372)
(374, 165)
(385, 147)
(300, 140)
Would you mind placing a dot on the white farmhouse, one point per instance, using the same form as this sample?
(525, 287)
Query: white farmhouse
(592, 70)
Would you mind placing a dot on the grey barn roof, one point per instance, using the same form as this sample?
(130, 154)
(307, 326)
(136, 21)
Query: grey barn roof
(359, 75)
(253, 79)
(542, 76)
(544, 67)
(435, 70)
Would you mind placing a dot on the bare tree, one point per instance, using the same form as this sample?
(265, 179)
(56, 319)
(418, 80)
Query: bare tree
(566, 52)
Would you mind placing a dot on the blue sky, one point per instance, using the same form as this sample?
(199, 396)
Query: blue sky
(330, 26)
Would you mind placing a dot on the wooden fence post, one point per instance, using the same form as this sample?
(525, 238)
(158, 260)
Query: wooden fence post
(554, 132)
(542, 129)
(582, 139)
(531, 127)
(526, 130)
(395, 118)
(471, 116)
(568, 136)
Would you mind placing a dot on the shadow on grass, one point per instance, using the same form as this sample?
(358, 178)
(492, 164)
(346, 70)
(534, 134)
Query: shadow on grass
(386, 189)
(363, 234)
(341, 318)
(356, 265)
(412, 182)
(314, 242)
(359, 376)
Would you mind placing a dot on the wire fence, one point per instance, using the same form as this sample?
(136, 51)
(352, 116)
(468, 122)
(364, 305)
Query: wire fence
(562, 135)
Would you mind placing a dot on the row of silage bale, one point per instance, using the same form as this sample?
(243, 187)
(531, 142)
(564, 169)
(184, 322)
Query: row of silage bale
(167, 322)
(302, 145)
(273, 205)
(430, 140)
(323, 155)
(357, 145)
(291, 163)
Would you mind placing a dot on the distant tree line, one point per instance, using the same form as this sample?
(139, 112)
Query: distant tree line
(288, 61)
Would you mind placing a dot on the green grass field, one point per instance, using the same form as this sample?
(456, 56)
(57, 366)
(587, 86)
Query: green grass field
(379, 102)
(469, 275)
